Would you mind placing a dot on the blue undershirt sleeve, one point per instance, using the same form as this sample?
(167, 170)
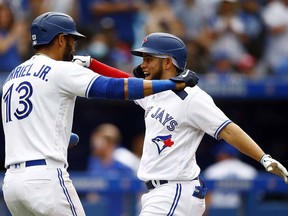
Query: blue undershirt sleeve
(113, 88)
(162, 85)
(136, 87)
(107, 88)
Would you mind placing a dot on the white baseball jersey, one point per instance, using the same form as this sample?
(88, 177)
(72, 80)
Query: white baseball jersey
(37, 108)
(175, 126)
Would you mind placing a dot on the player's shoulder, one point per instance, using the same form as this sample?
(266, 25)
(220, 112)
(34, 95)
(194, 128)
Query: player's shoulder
(196, 91)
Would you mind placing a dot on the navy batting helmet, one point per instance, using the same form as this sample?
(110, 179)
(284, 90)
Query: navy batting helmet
(164, 44)
(46, 26)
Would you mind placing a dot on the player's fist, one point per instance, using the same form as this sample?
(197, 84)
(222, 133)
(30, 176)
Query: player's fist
(84, 61)
(74, 139)
(273, 166)
(187, 76)
(138, 72)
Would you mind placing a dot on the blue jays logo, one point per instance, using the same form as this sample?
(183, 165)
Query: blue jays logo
(144, 40)
(163, 142)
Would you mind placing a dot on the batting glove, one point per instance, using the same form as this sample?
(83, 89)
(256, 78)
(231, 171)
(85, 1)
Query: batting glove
(138, 72)
(187, 76)
(84, 61)
(273, 166)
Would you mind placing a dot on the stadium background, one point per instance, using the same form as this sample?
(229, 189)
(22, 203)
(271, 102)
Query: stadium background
(259, 106)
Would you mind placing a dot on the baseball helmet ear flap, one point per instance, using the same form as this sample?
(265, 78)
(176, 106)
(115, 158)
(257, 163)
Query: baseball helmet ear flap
(46, 26)
(164, 44)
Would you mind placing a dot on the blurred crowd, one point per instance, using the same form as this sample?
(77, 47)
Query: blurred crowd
(247, 37)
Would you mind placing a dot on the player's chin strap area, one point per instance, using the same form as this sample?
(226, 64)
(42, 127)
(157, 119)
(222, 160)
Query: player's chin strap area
(199, 192)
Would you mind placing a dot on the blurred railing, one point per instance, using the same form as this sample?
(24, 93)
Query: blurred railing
(129, 189)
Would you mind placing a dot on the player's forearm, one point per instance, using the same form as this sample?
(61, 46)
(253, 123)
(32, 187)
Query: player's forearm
(133, 87)
(130, 89)
(106, 70)
(235, 136)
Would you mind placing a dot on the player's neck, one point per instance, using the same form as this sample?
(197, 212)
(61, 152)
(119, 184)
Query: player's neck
(50, 52)
(39, 53)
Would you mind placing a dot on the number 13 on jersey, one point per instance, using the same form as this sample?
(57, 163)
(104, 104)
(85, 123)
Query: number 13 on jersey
(25, 105)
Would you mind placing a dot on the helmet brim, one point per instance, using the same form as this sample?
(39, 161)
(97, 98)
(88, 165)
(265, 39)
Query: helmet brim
(76, 35)
(140, 51)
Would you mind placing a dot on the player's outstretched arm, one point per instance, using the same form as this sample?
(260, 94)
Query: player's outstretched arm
(134, 88)
(99, 67)
(235, 136)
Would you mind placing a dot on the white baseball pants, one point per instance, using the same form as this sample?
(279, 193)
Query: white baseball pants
(40, 190)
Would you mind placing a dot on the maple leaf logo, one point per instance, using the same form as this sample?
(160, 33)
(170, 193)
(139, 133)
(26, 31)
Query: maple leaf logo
(168, 142)
(163, 142)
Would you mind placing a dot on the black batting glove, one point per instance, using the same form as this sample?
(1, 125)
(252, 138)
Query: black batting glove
(138, 72)
(187, 76)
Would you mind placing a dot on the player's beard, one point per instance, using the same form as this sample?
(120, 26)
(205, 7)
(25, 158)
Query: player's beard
(158, 73)
(68, 53)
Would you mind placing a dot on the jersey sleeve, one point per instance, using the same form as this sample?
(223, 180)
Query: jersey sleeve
(74, 79)
(144, 101)
(205, 115)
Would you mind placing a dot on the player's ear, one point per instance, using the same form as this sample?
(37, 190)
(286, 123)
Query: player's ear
(61, 39)
(168, 63)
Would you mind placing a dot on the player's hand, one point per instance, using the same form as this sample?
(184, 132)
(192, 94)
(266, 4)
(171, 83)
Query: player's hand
(273, 166)
(84, 61)
(74, 139)
(187, 76)
(138, 72)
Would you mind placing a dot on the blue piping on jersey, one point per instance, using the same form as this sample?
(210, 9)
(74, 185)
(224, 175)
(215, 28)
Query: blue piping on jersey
(176, 200)
(181, 94)
(89, 86)
(61, 180)
(216, 134)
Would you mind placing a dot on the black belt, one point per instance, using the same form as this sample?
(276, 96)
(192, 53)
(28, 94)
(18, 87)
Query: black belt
(150, 184)
(30, 163)
(154, 183)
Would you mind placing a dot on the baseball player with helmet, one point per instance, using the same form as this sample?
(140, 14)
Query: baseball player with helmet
(176, 122)
(37, 114)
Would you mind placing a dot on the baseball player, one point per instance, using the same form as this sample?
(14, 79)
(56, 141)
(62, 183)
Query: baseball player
(37, 112)
(176, 122)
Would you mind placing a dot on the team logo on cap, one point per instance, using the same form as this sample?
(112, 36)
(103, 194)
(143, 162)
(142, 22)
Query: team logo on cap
(144, 40)
(34, 39)
(163, 142)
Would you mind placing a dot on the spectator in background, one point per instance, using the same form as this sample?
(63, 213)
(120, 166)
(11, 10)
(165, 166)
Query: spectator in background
(112, 35)
(104, 141)
(196, 34)
(191, 17)
(13, 39)
(37, 7)
(227, 31)
(98, 47)
(275, 16)
(254, 37)
(131, 158)
(161, 17)
(228, 166)
(123, 13)
(221, 64)
(247, 66)
(137, 144)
